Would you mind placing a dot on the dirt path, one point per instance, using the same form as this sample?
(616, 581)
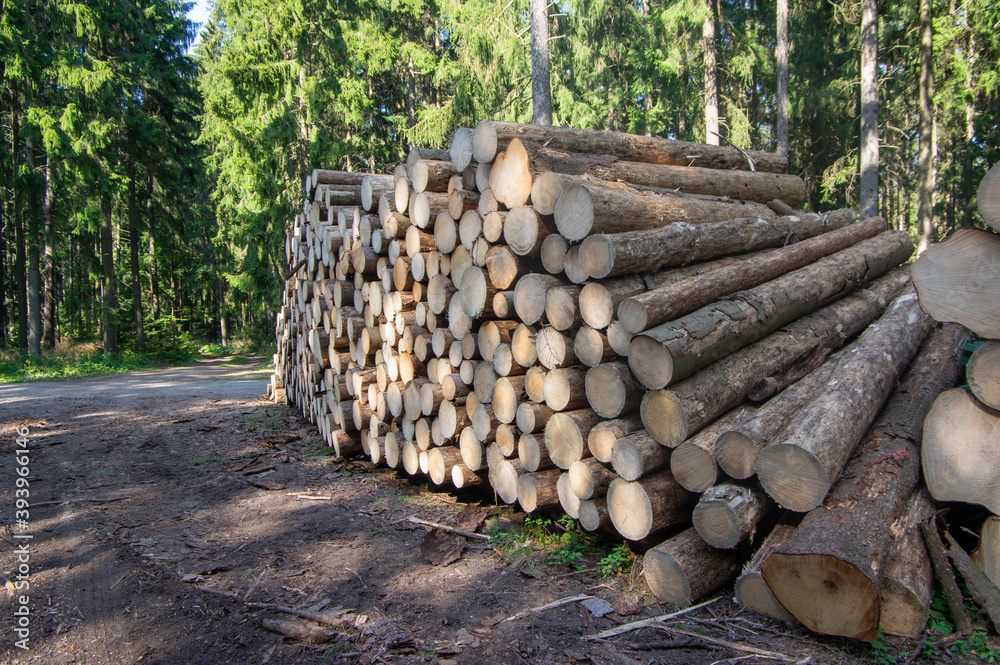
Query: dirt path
(143, 511)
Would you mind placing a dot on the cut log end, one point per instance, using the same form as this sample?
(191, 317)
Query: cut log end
(812, 588)
(650, 361)
(983, 372)
(663, 416)
(736, 454)
(792, 476)
(988, 197)
(574, 212)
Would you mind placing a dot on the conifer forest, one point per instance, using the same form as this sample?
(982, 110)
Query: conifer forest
(149, 165)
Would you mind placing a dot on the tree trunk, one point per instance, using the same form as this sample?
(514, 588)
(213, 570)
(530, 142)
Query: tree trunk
(565, 389)
(983, 372)
(491, 136)
(602, 437)
(926, 167)
(612, 390)
(649, 505)
(637, 455)
(673, 415)
(956, 281)
(987, 555)
(869, 108)
(677, 349)
(988, 197)
(538, 490)
(565, 436)
(34, 212)
(751, 590)
(657, 306)
(134, 237)
(109, 284)
(431, 175)
(21, 254)
(693, 462)
(907, 574)
(960, 435)
(983, 591)
(727, 514)
(641, 251)
(711, 86)
(541, 90)
(583, 210)
(781, 56)
(685, 569)
(49, 298)
(589, 478)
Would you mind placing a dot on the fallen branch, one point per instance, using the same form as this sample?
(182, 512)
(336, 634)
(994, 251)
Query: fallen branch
(449, 529)
(549, 606)
(760, 653)
(644, 623)
(294, 270)
(302, 614)
(980, 586)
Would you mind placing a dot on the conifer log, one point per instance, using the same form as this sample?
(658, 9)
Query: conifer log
(828, 573)
(583, 210)
(727, 514)
(565, 389)
(505, 267)
(589, 478)
(534, 383)
(674, 414)
(560, 307)
(612, 390)
(907, 574)
(510, 175)
(524, 231)
(529, 296)
(592, 347)
(958, 281)
(987, 555)
(506, 477)
(685, 569)
(566, 434)
(554, 349)
(983, 591)
(537, 490)
(988, 197)
(649, 505)
(752, 591)
(332, 177)
(960, 435)
(651, 308)
(677, 349)
(983, 372)
(460, 149)
(602, 437)
(492, 334)
(476, 292)
(553, 251)
(522, 346)
(532, 417)
(533, 454)
(440, 462)
(508, 393)
(798, 468)
(568, 501)
(491, 136)
(594, 516)
(462, 477)
(619, 253)
(432, 175)
(638, 454)
(693, 462)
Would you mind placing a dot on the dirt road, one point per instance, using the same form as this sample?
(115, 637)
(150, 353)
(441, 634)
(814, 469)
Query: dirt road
(155, 539)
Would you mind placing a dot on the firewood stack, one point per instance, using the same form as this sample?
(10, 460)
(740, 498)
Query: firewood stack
(644, 333)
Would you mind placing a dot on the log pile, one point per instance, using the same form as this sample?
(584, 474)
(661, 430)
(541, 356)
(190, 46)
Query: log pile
(644, 334)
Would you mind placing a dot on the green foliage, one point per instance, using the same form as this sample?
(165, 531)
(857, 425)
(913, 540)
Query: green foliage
(978, 645)
(885, 654)
(616, 561)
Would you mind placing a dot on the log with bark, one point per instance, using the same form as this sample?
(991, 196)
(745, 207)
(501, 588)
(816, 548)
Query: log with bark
(685, 569)
(983, 372)
(728, 513)
(988, 197)
(612, 389)
(828, 573)
(649, 505)
(693, 462)
(751, 590)
(907, 574)
(987, 554)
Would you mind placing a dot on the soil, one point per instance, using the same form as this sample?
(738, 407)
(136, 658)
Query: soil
(154, 539)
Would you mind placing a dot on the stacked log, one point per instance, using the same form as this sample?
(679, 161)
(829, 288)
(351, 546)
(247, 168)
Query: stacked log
(596, 322)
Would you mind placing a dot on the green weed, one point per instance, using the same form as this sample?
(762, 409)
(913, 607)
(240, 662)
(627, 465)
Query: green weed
(616, 561)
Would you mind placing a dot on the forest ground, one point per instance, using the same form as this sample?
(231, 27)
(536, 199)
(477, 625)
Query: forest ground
(151, 545)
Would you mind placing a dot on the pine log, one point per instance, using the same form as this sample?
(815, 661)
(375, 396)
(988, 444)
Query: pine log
(960, 434)
(534, 383)
(508, 393)
(679, 348)
(484, 423)
(907, 574)
(522, 345)
(560, 307)
(459, 323)
(573, 266)
(524, 231)
(440, 462)
(492, 334)
(493, 223)
(411, 458)
(568, 501)
(589, 478)
(439, 293)
(553, 251)
(538, 490)
(674, 414)
(583, 210)
(983, 372)
(657, 306)
(727, 514)
(503, 303)
(612, 390)
(565, 434)
(506, 439)
(529, 296)
(983, 591)
(510, 176)
(602, 438)
(685, 569)
(625, 253)
(431, 175)
(372, 188)
(471, 448)
(426, 206)
(470, 225)
(565, 389)
(445, 232)
(477, 293)
(505, 267)
(988, 197)
(649, 505)
(464, 478)
(554, 349)
(507, 474)
(533, 454)
(594, 516)
(532, 417)
(483, 381)
(838, 551)
(460, 149)
(752, 591)
(987, 555)
(592, 347)
(959, 281)
(452, 420)
(332, 177)
(491, 136)
(693, 462)
(946, 578)
(638, 454)
(441, 341)
(483, 170)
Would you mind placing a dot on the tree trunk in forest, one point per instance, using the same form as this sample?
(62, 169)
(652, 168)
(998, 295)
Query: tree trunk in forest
(541, 89)
(926, 167)
(109, 285)
(781, 55)
(21, 256)
(133, 242)
(4, 316)
(34, 211)
(869, 108)
(154, 281)
(711, 85)
(49, 302)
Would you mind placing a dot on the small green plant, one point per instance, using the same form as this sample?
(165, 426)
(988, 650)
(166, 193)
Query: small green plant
(616, 561)
(885, 654)
(978, 645)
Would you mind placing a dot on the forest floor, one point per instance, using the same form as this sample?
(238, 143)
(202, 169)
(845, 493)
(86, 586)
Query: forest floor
(171, 508)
